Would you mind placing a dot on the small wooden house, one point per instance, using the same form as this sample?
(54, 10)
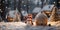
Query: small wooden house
(41, 19)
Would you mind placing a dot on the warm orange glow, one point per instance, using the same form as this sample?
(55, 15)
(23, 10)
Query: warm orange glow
(29, 19)
(52, 23)
(34, 24)
(11, 19)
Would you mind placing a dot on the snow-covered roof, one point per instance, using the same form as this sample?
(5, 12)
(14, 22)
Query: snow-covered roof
(41, 16)
(46, 7)
(12, 13)
(36, 10)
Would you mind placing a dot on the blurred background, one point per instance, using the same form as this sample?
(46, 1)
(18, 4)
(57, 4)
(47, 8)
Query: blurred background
(25, 7)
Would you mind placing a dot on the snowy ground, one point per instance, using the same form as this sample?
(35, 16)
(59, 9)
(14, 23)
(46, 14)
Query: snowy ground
(23, 26)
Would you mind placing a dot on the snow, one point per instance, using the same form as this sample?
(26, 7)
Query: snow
(40, 14)
(46, 7)
(23, 26)
(24, 13)
(12, 13)
(36, 10)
